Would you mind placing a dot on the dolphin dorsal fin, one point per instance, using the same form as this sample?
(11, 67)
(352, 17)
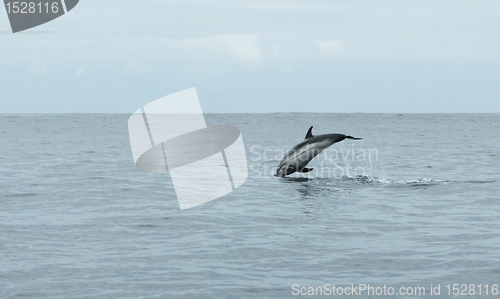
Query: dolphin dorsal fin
(309, 133)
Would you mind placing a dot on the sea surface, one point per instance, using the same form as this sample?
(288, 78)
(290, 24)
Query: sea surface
(415, 202)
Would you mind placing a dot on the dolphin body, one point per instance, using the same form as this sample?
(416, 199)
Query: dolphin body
(301, 154)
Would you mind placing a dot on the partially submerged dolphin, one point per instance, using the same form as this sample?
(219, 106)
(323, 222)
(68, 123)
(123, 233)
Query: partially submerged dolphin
(301, 154)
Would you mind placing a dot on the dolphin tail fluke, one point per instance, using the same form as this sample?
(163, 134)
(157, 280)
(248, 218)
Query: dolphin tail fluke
(353, 138)
(304, 170)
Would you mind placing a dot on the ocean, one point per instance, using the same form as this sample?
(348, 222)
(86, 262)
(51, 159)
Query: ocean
(414, 204)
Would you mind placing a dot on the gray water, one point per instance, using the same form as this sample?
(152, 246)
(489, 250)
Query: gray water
(78, 220)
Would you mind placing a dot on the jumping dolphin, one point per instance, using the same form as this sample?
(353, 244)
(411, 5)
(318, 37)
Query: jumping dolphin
(301, 154)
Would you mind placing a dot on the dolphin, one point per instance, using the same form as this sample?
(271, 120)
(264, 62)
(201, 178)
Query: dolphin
(301, 154)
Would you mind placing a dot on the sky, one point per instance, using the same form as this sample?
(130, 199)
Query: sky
(259, 56)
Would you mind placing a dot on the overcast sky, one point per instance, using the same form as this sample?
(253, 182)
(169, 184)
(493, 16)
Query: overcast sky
(258, 56)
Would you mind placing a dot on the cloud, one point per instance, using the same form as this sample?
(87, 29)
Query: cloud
(80, 71)
(458, 66)
(329, 46)
(288, 5)
(136, 65)
(38, 69)
(240, 47)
